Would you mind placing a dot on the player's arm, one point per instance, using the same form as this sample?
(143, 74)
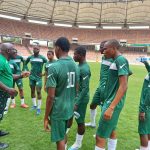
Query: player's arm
(85, 88)
(123, 73)
(50, 85)
(49, 105)
(23, 63)
(147, 66)
(123, 82)
(24, 74)
(142, 109)
(17, 69)
(26, 64)
(45, 77)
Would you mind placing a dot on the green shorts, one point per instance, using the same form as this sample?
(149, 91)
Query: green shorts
(144, 126)
(58, 130)
(37, 83)
(19, 83)
(98, 97)
(106, 127)
(82, 111)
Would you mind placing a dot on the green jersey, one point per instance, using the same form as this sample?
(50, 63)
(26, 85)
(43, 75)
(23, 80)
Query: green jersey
(14, 67)
(120, 67)
(62, 75)
(36, 66)
(84, 79)
(5, 72)
(145, 94)
(105, 64)
(18, 61)
(48, 64)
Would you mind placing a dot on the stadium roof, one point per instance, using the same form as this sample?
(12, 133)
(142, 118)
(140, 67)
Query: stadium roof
(80, 12)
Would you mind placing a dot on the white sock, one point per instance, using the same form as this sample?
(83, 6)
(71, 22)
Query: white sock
(22, 101)
(79, 139)
(67, 130)
(143, 148)
(13, 101)
(149, 145)
(8, 103)
(112, 144)
(34, 101)
(39, 104)
(98, 148)
(93, 116)
(66, 146)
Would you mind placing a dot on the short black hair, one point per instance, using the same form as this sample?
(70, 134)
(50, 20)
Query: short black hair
(81, 50)
(50, 51)
(114, 43)
(63, 43)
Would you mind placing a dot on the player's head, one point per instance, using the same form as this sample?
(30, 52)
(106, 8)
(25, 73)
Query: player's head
(7, 50)
(102, 46)
(79, 54)
(14, 54)
(36, 49)
(62, 45)
(50, 55)
(111, 47)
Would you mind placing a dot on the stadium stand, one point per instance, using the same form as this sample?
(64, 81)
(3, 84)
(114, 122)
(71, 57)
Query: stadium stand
(18, 28)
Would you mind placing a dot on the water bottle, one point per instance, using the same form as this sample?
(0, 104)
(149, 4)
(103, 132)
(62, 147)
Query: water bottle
(142, 59)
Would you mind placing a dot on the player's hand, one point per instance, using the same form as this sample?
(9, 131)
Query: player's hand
(12, 92)
(108, 113)
(142, 116)
(25, 74)
(46, 124)
(75, 107)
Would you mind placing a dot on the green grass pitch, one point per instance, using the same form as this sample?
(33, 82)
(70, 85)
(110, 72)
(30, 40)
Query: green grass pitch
(26, 129)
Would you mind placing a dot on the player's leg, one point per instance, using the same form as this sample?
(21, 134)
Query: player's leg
(13, 101)
(21, 93)
(81, 127)
(100, 143)
(144, 142)
(69, 124)
(149, 141)
(112, 141)
(106, 130)
(39, 96)
(58, 133)
(144, 130)
(33, 96)
(93, 105)
(61, 145)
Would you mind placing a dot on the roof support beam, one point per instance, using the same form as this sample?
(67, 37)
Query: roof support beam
(27, 11)
(77, 13)
(52, 15)
(100, 16)
(126, 14)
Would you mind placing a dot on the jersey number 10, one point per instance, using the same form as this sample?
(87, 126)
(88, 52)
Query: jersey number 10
(71, 79)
